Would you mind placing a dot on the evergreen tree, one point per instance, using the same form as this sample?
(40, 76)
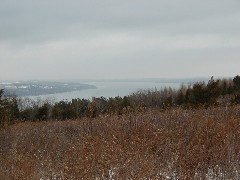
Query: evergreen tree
(236, 82)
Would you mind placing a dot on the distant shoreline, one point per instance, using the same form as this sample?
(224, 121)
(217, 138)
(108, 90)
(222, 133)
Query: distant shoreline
(37, 88)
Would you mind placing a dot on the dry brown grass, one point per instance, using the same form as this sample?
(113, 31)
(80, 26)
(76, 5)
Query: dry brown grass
(175, 144)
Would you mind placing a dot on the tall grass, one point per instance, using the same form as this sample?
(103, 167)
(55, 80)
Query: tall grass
(174, 144)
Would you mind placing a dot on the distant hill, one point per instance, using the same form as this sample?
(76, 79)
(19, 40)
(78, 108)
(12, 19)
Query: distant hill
(36, 88)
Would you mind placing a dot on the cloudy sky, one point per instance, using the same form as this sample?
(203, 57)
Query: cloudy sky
(76, 39)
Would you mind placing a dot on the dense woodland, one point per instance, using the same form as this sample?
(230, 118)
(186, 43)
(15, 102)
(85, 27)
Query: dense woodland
(200, 94)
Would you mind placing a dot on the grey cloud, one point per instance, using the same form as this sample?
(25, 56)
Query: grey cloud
(127, 36)
(35, 20)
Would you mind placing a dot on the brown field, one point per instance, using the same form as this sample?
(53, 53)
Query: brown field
(174, 144)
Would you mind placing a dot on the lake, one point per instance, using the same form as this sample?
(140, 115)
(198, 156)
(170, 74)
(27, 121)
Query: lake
(108, 89)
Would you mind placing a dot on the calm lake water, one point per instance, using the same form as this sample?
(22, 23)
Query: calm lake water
(108, 89)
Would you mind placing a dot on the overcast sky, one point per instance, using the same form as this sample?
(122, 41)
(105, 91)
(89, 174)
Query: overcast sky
(75, 39)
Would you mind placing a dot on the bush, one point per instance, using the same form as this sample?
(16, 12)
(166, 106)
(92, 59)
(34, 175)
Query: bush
(174, 144)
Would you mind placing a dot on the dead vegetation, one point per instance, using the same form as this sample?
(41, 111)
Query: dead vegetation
(174, 144)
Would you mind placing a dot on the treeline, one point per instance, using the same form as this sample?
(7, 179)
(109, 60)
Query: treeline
(199, 94)
(215, 92)
(9, 110)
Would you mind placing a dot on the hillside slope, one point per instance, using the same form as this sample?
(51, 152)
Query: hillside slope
(172, 144)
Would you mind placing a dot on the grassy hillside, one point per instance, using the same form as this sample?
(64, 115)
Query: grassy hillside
(174, 144)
